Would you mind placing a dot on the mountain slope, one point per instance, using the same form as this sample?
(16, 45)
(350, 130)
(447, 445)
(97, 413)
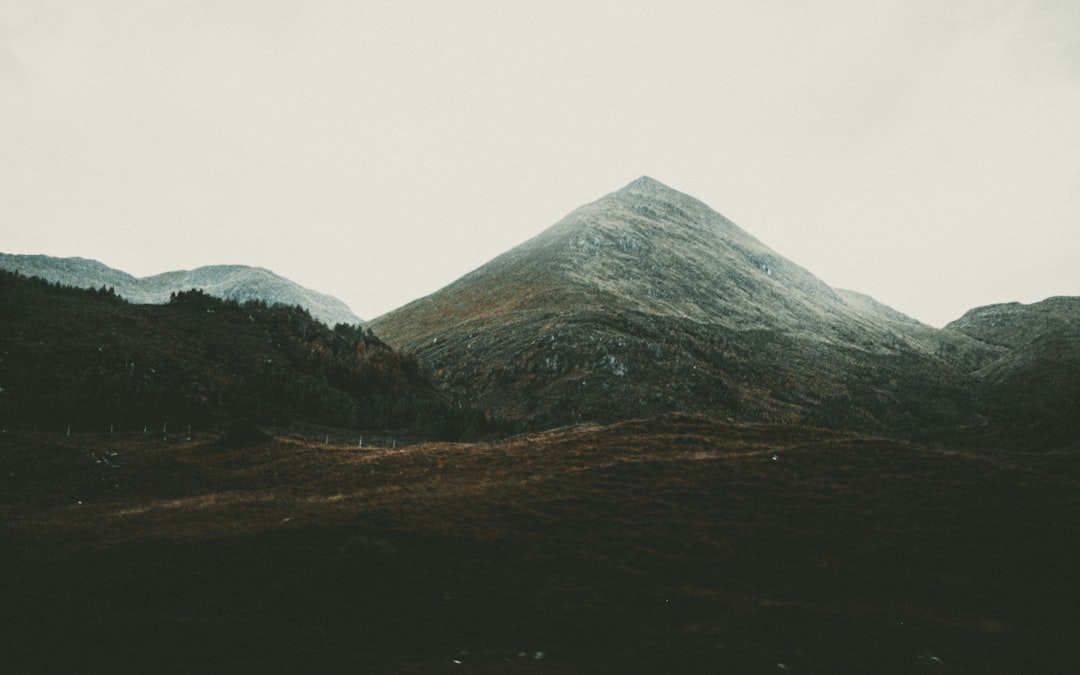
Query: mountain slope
(648, 301)
(1033, 390)
(228, 282)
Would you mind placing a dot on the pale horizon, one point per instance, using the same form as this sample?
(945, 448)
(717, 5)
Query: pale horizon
(926, 156)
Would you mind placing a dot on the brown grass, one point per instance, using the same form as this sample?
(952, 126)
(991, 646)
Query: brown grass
(675, 544)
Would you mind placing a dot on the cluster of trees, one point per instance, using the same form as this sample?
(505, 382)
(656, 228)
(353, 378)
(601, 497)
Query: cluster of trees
(87, 359)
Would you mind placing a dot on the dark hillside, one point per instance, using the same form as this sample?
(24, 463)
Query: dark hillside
(88, 360)
(1032, 392)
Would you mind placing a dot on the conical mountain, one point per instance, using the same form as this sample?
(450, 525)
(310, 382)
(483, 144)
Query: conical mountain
(648, 301)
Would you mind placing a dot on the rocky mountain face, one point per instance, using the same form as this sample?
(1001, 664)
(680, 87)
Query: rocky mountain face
(647, 301)
(228, 282)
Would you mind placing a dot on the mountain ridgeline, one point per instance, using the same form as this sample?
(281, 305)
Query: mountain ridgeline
(642, 303)
(647, 301)
(88, 360)
(228, 282)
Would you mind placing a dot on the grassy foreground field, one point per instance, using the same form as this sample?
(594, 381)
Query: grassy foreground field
(676, 545)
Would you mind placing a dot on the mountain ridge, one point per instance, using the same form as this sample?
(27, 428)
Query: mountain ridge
(228, 282)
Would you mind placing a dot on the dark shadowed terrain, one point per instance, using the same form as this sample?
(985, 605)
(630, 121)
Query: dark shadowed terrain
(676, 544)
(89, 361)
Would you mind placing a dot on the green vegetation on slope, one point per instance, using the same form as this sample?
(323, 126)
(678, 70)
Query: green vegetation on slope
(86, 359)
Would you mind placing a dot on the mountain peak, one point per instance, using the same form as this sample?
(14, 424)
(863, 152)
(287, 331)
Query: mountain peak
(646, 192)
(646, 185)
(644, 182)
(647, 301)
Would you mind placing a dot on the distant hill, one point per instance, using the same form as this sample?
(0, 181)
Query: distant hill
(229, 282)
(89, 360)
(647, 301)
(1033, 390)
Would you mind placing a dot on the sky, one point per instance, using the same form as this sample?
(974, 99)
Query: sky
(926, 153)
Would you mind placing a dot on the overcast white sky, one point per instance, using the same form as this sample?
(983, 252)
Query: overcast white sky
(926, 153)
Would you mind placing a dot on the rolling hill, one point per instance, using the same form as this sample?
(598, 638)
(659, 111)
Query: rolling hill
(1032, 392)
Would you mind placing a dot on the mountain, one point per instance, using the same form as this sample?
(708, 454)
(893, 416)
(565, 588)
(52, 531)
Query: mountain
(647, 301)
(229, 282)
(1033, 389)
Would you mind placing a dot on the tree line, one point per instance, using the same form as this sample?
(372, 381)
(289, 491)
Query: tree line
(86, 358)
